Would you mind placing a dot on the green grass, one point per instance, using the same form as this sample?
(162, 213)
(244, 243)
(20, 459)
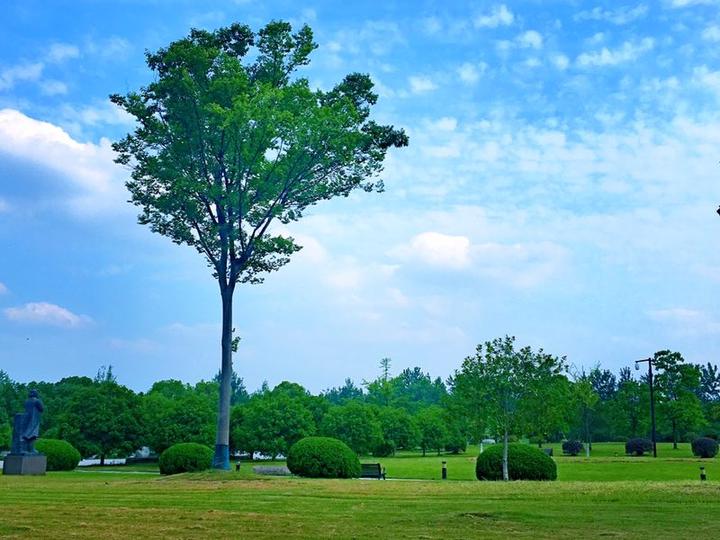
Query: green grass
(214, 505)
(607, 495)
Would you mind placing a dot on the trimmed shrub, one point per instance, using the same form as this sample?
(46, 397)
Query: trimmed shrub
(572, 448)
(323, 457)
(456, 443)
(524, 463)
(185, 457)
(638, 446)
(705, 447)
(383, 449)
(61, 455)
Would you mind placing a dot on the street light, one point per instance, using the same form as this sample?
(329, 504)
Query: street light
(652, 396)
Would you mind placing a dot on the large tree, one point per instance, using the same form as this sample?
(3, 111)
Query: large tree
(229, 141)
(678, 384)
(501, 386)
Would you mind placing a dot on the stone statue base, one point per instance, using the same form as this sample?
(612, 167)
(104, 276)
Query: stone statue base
(25, 464)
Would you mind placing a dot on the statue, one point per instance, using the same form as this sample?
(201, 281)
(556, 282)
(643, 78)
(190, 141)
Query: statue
(23, 458)
(31, 424)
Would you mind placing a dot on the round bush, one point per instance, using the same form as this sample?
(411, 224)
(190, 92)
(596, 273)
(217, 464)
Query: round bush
(572, 448)
(185, 457)
(323, 457)
(705, 447)
(638, 446)
(524, 463)
(61, 455)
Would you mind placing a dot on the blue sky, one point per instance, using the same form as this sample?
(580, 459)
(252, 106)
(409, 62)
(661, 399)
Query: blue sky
(560, 185)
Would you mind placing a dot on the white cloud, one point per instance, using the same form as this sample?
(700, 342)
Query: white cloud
(619, 16)
(60, 52)
(686, 321)
(470, 73)
(53, 88)
(45, 313)
(709, 80)
(438, 250)
(531, 39)
(420, 84)
(711, 33)
(687, 3)
(113, 47)
(4, 205)
(560, 61)
(499, 16)
(86, 169)
(30, 71)
(3, 288)
(431, 25)
(446, 123)
(606, 57)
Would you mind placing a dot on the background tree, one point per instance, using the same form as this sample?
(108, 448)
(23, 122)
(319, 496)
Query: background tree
(433, 428)
(629, 411)
(504, 384)
(354, 424)
(585, 399)
(399, 429)
(271, 424)
(102, 419)
(678, 384)
(340, 395)
(173, 412)
(229, 142)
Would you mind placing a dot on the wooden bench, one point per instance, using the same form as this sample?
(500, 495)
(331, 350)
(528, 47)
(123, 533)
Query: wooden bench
(372, 470)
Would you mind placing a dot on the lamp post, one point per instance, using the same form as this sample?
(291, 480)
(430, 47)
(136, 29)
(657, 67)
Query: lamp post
(652, 399)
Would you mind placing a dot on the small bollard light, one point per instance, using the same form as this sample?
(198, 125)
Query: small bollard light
(444, 470)
(703, 476)
(237, 466)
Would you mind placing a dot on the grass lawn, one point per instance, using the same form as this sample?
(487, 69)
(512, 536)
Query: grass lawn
(604, 496)
(214, 505)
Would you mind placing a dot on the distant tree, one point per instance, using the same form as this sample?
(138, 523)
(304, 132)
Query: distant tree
(354, 424)
(603, 382)
(238, 392)
(399, 429)
(174, 413)
(629, 411)
(678, 384)
(499, 386)
(317, 405)
(547, 411)
(432, 423)
(585, 399)
(709, 388)
(413, 389)
(102, 419)
(229, 142)
(271, 424)
(340, 395)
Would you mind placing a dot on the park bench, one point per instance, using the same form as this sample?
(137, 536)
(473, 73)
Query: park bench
(372, 470)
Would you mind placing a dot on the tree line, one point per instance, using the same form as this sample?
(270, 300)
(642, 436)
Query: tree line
(500, 392)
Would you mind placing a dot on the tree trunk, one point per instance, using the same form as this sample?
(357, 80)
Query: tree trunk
(506, 475)
(675, 437)
(423, 451)
(221, 460)
(102, 459)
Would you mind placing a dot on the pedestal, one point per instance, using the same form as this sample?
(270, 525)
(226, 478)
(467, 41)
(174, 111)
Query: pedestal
(25, 464)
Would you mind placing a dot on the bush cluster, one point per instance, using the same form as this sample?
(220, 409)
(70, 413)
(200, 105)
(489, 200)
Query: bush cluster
(61, 455)
(572, 448)
(705, 447)
(323, 457)
(185, 457)
(524, 463)
(638, 446)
